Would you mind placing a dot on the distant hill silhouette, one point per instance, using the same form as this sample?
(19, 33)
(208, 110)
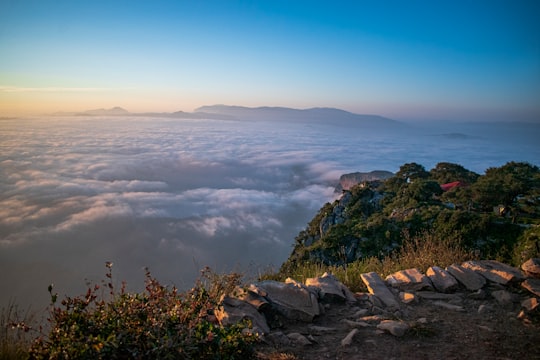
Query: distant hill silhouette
(327, 116)
(330, 116)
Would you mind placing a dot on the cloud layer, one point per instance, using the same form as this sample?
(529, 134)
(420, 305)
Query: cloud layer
(175, 196)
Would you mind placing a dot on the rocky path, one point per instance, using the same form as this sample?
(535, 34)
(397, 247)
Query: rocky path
(478, 310)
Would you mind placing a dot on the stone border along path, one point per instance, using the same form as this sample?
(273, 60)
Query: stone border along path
(264, 302)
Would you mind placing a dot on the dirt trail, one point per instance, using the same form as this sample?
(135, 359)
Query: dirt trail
(495, 333)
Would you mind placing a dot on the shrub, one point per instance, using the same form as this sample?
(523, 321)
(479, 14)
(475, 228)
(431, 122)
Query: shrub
(159, 323)
(14, 332)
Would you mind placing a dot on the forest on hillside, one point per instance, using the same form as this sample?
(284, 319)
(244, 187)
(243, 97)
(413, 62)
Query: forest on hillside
(495, 215)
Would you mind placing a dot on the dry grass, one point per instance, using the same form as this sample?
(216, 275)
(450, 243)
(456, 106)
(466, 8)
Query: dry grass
(15, 338)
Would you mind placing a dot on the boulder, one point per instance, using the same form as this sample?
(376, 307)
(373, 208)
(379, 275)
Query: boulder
(469, 278)
(330, 288)
(291, 299)
(531, 268)
(441, 279)
(533, 285)
(377, 287)
(396, 328)
(409, 280)
(495, 271)
(233, 311)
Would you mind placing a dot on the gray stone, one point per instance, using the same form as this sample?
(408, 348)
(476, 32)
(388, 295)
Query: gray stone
(251, 296)
(330, 288)
(293, 300)
(533, 285)
(377, 287)
(469, 278)
(320, 330)
(531, 268)
(299, 339)
(479, 294)
(441, 279)
(278, 338)
(503, 297)
(409, 280)
(355, 324)
(396, 328)
(233, 311)
(495, 271)
(448, 306)
(347, 340)
(430, 295)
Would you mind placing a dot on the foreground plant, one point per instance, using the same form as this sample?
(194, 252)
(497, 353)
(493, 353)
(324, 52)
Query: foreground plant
(159, 323)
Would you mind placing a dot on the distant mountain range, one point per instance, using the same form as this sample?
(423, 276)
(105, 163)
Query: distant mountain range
(329, 116)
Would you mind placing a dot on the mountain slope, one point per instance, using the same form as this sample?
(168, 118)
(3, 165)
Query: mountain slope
(496, 215)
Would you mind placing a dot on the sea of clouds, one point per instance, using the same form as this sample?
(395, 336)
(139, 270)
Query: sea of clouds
(177, 195)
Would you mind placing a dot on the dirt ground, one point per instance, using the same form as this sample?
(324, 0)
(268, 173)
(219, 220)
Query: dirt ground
(496, 333)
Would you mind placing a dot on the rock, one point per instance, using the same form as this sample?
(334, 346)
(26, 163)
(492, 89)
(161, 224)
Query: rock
(531, 268)
(482, 309)
(360, 313)
(530, 304)
(495, 271)
(293, 300)
(406, 297)
(430, 295)
(479, 294)
(448, 306)
(320, 330)
(410, 279)
(347, 181)
(441, 279)
(347, 340)
(469, 278)
(251, 296)
(278, 338)
(233, 311)
(533, 285)
(355, 324)
(377, 287)
(299, 339)
(503, 297)
(396, 328)
(330, 288)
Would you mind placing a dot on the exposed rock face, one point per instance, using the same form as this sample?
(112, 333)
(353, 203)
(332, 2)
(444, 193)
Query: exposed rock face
(377, 287)
(347, 181)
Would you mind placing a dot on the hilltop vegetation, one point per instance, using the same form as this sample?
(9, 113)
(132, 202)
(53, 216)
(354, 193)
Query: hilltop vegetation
(495, 215)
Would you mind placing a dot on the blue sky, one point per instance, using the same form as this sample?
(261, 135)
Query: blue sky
(424, 60)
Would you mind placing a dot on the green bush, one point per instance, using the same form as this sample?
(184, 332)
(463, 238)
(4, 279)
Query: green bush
(159, 323)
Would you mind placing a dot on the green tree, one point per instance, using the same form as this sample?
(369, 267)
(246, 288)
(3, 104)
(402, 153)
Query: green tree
(503, 185)
(412, 171)
(445, 172)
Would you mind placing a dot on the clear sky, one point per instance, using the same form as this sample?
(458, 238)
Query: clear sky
(439, 60)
